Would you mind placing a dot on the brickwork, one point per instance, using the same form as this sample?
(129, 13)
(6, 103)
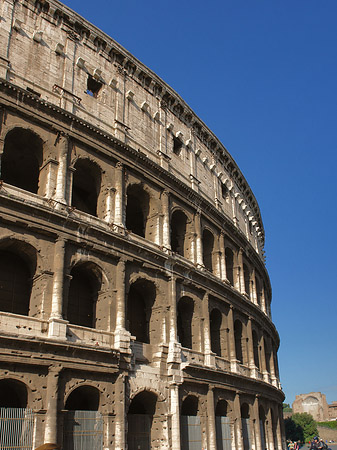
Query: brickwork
(136, 245)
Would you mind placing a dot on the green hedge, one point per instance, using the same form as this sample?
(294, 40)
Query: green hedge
(332, 424)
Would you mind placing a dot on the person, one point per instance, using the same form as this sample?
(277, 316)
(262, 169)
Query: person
(314, 443)
(291, 445)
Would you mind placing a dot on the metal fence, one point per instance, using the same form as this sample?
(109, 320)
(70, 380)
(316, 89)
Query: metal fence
(16, 429)
(83, 430)
(223, 433)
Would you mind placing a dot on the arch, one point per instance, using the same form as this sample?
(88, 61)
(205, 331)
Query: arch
(190, 429)
(207, 249)
(245, 421)
(246, 276)
(215, 326)
(229, 258)
(258, 291)
(190, 406)
(256, 349)
(13, 394)
(238, 340)
(185, 310)
(86, 186)
(262, 421)
(85, 284)
(137, 209)
(141, 297)
(222, 426)
(22, 158)
(83, 398)
(18, 262)
(82, 420)
(140, 420)
(178, 232)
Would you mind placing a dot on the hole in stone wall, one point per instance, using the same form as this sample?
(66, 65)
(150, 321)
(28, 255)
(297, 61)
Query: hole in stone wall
(93, 86)
(177, 146)
(13, 394)
(178, 232)
(15, 284)
(86, 186)
(21, 159)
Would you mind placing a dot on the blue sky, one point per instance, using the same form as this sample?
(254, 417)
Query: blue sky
(262, 74)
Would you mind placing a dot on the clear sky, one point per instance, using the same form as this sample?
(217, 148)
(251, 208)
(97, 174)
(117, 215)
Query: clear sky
(262, 74)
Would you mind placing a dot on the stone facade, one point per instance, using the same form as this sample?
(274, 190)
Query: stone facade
(313, 403)
(132, 282)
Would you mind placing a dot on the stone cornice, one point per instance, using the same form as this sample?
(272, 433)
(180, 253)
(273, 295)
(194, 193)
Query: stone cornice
(80, 29)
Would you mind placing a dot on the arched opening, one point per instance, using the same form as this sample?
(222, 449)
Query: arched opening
(22, 159)
(83, 423)
(13, 394)
(258, 291)
(207, 249)
(140, 302)
(185, 311)
(190, 429)
(256, 349)
(83, 294)
(274, 428)
(215, 325)
(137, 209)
(84, 398)
(246, 276)
(15, 283)
(262, 420)
(140, 418)
(267, 351)
(222, 423)
(229, 258)
(245, 426)
(178, 232)
(238, 340)
(86, 186)
(16, 421)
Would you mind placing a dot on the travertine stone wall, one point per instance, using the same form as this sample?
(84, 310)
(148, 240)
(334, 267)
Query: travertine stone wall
(132, 275)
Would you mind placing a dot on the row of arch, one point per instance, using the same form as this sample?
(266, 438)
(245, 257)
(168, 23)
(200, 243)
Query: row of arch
(81, 307)
(145, 418)
(23, 165)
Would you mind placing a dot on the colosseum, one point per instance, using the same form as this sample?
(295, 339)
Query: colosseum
(135, 301)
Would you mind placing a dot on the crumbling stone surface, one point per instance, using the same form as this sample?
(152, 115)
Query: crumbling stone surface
(132, 275)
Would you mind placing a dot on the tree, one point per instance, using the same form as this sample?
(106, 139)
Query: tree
(286, 407)
(301, 427)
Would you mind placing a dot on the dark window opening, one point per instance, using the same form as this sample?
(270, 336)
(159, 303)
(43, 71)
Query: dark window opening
(256, 350)
(207, 247)
(84, 398)
(13, 394)
(178, 232)
(238, 340)
(93, 86)
(137, 209)
(190, 406)
(140, 418)
(177, 146)
(221, 408)
(184, 321)
(215, 325)
(229, 257)
(83, 294)
(258, 291)
(247, 279)
(21, 159)
(86, 186)
(224, 192)
(15, 284)
(244, 411)
(139, 310)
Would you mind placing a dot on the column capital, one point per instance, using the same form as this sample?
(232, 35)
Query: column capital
(119, 165)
